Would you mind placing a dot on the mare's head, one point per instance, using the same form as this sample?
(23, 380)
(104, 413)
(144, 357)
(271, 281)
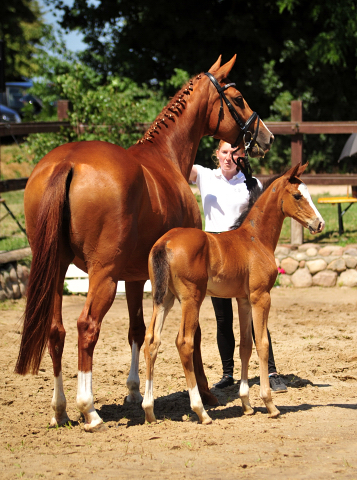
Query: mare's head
(295, 200)
(231, 119)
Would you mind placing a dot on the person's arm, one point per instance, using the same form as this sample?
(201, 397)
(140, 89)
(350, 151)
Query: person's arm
(193, 174)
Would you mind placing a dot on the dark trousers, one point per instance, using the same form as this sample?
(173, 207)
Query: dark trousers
(225, 336)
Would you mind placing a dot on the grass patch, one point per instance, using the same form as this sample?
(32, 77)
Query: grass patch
(11, 236)
(330, 234)
(16, 162)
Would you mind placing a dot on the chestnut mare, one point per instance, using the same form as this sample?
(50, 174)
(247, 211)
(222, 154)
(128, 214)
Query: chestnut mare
(189, 264)
(102, 208)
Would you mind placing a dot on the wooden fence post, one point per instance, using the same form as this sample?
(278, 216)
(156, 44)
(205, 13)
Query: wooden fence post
(62, 109)
(297, 230)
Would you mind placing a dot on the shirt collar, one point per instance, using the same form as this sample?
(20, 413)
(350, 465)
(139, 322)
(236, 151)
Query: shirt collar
(238, 176)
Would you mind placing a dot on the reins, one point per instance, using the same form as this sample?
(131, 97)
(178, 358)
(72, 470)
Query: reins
(249, 139)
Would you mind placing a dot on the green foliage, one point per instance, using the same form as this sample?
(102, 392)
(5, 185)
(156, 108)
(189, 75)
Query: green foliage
(101, 109)
(287, 49)
(66, 291)
(23, 31)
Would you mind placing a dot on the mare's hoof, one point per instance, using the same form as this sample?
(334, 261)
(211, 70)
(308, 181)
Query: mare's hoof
(100, 427)
(133, 398)
(59, 422)
(207, 421)
(150, 420)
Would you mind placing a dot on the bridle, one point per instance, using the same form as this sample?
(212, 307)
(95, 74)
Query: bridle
(249, 139)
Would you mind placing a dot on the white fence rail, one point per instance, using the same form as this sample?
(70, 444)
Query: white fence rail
(77, 282)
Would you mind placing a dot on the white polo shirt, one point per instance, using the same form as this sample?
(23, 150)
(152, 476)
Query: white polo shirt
(223, 200)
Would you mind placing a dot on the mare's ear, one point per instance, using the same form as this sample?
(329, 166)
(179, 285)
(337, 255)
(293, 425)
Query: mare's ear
(216, 65)
(225, 69)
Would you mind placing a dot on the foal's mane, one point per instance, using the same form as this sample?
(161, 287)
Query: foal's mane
(254, 194)
(171, 111)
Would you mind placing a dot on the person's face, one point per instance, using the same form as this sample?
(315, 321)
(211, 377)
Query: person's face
(224, 155)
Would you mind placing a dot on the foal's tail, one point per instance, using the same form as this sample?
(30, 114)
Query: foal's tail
(44, 272)
(161, 269)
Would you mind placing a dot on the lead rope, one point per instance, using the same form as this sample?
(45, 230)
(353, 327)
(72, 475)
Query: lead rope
(246, 169)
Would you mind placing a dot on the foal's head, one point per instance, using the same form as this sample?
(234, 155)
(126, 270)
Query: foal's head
(296, 200)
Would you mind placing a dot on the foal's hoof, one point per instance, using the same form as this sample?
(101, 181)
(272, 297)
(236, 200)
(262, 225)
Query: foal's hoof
(149, 413)
(275, 414)
(248, 410)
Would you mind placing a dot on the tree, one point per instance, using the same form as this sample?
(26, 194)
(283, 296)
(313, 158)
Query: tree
(23, 31)
(287, 49)
(301, 46)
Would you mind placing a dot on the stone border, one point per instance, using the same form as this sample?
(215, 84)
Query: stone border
(305, 266)
(315, 265)
(13, 280)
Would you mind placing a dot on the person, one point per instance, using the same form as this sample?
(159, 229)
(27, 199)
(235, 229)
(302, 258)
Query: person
(224, 195)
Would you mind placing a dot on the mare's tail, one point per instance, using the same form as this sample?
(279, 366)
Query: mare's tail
(44, 272)
(160, 269)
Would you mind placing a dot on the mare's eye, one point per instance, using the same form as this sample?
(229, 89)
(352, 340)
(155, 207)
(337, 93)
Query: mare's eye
(297, 196)
(239, 101)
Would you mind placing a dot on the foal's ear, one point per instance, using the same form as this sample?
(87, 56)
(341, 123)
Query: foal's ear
(223, 71)
(302, 168)
(296, 171)
(292, 172)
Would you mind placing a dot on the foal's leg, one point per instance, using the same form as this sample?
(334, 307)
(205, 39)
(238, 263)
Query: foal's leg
(134, 298)
(101, 293)
(152, 343)
(245, 351)
(260, 308)
(55, 347)
(207, 397)
(185, 342)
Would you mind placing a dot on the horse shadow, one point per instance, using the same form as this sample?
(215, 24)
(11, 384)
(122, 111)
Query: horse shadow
(176, 406)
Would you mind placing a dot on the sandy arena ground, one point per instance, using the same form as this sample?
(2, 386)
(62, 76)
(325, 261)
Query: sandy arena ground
(314, 334)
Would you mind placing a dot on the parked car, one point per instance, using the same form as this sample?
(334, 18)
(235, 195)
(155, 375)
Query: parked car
(8, 115)
(16, 97)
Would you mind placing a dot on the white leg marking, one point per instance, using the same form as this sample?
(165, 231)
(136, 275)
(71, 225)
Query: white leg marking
(85, 400)
(133, 382)
(148, 402)
(59, 403)
(244, 396)
(244, 388)
(197, 405)
(149, 394)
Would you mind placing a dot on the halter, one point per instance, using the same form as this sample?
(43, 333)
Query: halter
(249, 139)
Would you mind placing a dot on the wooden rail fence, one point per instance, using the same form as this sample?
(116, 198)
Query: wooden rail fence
(296, 128)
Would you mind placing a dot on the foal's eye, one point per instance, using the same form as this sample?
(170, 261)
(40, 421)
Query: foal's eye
(297, 196)
(239, 101)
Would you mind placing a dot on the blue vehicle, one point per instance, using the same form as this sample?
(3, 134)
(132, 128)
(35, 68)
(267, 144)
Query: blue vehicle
(8, 115)
(16, 97)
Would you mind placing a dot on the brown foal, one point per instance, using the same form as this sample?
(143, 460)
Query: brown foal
(102, 208)
(189, 264)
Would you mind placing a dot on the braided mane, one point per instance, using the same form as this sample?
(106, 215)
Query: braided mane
(174, 109)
